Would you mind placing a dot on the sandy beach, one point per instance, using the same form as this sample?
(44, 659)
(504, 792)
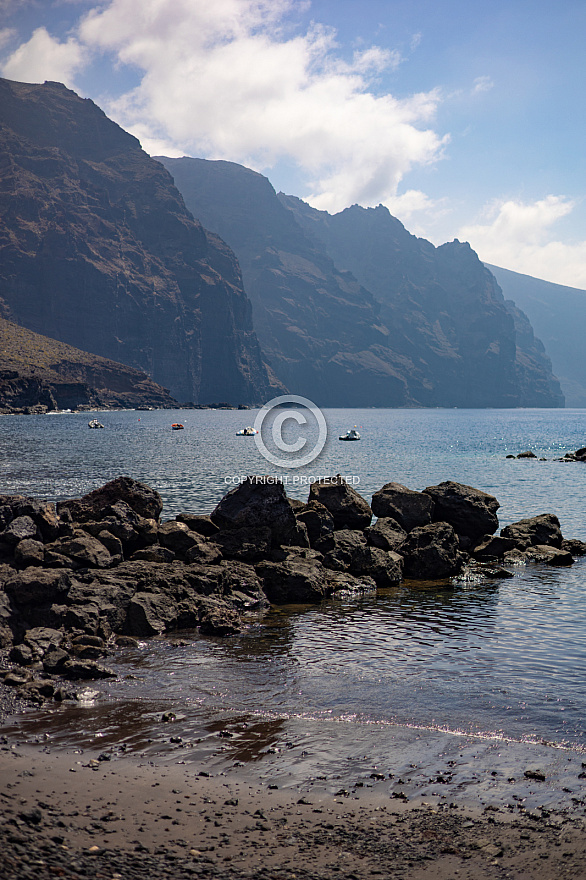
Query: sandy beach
(78, 813)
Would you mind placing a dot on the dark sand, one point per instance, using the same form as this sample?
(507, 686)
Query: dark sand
(67, 813)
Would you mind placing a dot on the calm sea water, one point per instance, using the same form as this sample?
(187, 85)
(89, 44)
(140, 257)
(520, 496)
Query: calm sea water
(492, 658)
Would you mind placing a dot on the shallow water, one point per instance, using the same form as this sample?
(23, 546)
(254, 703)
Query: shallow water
(493, 660)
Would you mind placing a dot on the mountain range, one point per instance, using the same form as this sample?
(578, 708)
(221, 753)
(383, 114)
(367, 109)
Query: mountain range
(199, 275)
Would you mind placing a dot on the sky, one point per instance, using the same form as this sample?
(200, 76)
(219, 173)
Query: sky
(464, 117)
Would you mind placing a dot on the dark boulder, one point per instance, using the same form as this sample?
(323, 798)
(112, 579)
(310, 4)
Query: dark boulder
(383, 566)
(208, 553)
(492, 547)
(342, 550)
(203, 525)
(348, 508)
(29, 552)
(317, 519)
(431, 552)
(85, 670)
(246, 544)
(83, 549)
(143, 500)
(242, 586)
(219, 620)
(20, 529)
(257, 503)
(527, 454)
(178, 537)
(148, 614)
(409, 508)
(387, 534)
(549, 555)
(294, 580)
(154, 553)
(542, 529)
(471, 512)
(37, 586)
(342, 582)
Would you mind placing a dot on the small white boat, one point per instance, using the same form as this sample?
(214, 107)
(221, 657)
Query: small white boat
(352, 434)
(94, 424)
(246, 432)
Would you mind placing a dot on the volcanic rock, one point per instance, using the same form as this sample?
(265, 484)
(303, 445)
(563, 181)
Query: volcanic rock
(431, 552)
(407, 507)
(348, 509)
(471, 512)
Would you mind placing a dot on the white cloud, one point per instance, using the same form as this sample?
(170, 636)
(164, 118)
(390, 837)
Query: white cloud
(232, 80)
(43, 57)
(482, 84)
(518, 236)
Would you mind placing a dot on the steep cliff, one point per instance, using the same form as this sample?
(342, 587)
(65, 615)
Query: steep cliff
(354, 310)
(99, 251)
(320, 330)
(444, 310)
(36, 371)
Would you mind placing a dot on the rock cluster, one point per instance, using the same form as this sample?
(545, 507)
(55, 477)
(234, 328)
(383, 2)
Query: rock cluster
(78, 577)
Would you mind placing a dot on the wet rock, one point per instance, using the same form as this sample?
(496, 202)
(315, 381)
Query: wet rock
(542, 529)
(432, 552)
(85, 550)
(294, 580)
(19, 529)
(243, 586)
(147, 615)
(143, 500)
(574, 546)
(203, 525)
(257, 504)
(29, 552)
(407, 507)
(178, 537)
(471, 512)
(526, 454)
(317, 519)
(86, 669)
(492, 547)
(383, 566)
(55, 660)
(548, 555)
(348, 509)
(387, 534)
(246, 544)
(42, 639)
(341, 582)
(220, 622)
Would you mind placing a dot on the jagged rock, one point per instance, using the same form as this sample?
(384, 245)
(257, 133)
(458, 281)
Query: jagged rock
(86, 669)
(387, 534)
(243, 585)
(385, 567)
(348, 508)
(110, 542)
(205, 554)
(340, 582)
(85, 617)
(471, 512)
(342, 550)
(246, 544)
(294, 580)
(155, 553)
(574, 546)
(37, 586)
(317, 519)
(143, 500)
(431, 552)
(147, 615)
(19, 529)
(492, 547)
(42, 639)
(178, 537)
(548, 554)
(218, 621)
(257, 504)
(83, 549)
(541, 529)
(29, 552)
(55, 660)
(409, 508)
(203, 525)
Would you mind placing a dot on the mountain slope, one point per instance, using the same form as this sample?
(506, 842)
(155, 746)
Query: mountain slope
(38, 371)
(558, 314)
(443, 309)
(100, 252)
(320, 330)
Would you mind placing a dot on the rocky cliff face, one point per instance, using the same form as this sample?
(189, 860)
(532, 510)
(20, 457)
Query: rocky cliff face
(320, 330)
(38, 373)
(444, 310)
(353, 310)
(99, 251)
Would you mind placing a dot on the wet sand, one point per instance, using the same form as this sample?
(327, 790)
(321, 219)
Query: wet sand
(73, 813)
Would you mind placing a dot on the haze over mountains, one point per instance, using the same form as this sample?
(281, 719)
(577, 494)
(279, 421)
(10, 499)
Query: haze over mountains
(100, 251)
